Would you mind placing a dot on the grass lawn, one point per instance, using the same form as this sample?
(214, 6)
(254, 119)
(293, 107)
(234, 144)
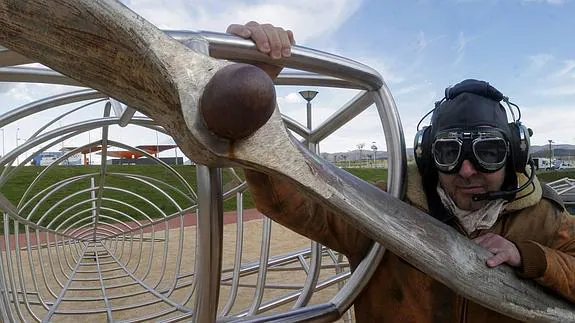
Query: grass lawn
(132, 191)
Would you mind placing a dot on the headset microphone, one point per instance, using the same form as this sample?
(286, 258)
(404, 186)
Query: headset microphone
(506, 194)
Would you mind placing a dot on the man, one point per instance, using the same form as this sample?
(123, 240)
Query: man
(469, 168)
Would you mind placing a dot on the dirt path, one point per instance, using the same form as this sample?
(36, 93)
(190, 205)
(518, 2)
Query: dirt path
(154, 265)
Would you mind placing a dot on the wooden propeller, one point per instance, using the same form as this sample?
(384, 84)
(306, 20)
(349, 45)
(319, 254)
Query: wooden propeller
(222, 113)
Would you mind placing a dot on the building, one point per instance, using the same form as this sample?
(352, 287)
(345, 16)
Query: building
(119, 157)
(48, 157)
(128, 157)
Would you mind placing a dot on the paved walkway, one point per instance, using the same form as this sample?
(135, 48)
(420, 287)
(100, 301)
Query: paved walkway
(188, 219)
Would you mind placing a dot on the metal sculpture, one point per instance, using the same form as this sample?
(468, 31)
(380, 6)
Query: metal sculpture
(165, 80)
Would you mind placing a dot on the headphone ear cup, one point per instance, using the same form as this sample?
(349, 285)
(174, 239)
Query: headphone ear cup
(422, 148)
(519, 145)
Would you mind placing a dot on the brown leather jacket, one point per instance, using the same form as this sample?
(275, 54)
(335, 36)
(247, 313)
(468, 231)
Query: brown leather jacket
(398, 292)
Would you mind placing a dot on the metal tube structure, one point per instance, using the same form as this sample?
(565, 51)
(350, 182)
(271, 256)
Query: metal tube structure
(152, 249)
(210, 232)
(224, 46)
(308, 108)
(345, 114)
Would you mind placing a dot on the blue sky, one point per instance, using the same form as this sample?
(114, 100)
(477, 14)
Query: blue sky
(449, 40)
(522, 47)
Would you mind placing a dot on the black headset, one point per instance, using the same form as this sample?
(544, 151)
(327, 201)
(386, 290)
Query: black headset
(519, 141)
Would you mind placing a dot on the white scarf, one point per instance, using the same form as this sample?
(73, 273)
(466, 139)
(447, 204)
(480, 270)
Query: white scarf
(483, 218)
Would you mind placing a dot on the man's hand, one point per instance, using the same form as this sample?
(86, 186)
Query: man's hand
(271, 40)
(503, 250)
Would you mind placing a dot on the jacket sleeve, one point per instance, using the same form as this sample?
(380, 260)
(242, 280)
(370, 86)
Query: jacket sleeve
(553, 265)
(281, 201)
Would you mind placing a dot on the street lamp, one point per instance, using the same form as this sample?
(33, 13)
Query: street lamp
(90, 149)
(550, 152)
(18, 144)
(308, 96)
(2, 142)
(374, 148)
(157, 145)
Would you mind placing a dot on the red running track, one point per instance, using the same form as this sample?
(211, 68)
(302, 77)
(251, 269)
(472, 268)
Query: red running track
(188, 219)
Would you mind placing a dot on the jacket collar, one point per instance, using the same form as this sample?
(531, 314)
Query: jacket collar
(527, 197)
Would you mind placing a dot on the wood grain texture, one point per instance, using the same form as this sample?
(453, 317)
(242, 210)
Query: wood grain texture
(423, 241)
(105, 46)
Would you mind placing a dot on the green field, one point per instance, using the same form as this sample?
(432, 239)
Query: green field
(126, 192)
(126, 196)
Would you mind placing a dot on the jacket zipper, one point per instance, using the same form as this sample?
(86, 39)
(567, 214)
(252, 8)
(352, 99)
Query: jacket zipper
(463, 310)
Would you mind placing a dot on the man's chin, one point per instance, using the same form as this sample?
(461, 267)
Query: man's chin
(466, 202)
(471, 190)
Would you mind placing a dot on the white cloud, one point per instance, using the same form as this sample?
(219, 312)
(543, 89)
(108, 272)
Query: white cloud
(422, 41)
(546, 97)
(551, 2)
(409, 89)
(5, 87)
(559, 90)
(538, 61)
(365, 128)
(555, 77)
(318, 23)
(310, 23)
(18, 92)
(327, 101)
(388, 67)
(553, 122)
(566, 69)
(305, 20)
(460, 45)
(292, 97)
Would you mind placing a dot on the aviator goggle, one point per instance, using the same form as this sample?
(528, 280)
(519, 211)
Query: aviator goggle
(485, 148)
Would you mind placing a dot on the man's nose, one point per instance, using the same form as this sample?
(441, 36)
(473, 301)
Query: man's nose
(467, 169)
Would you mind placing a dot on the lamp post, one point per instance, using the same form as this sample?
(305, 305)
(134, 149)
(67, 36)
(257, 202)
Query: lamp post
(374, 148)
(2, 142)
(550, 153)
(308, 96)
(17, 144)
(157, 145)
(360, 147)
(60, 122)
(90, 149)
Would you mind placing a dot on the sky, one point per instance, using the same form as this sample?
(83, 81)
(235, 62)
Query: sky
(522, 47)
